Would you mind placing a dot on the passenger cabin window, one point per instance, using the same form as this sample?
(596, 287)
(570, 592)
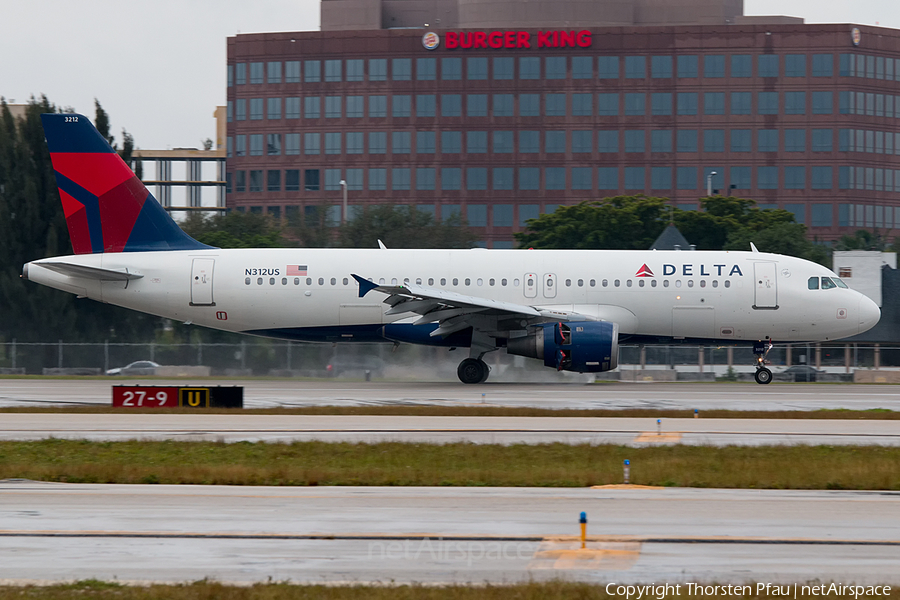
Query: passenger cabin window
(813, 283)
(321, 281)
(455, 281)
(296, 281)
(247, 281)
(443, 281)
(431, 281)
(491, 281)
(665, 283)
(309, 281)
(418, 281)
(515, 283)
(715, 283)
(628, 283)
(652, 283)
(828, 284)
(581, 283)
(271, 281)
(641, 283)
(568, 283)
(284, 281)
(616, 283)
(333, 281)
(259, 281)
(727, 283)
(346, 281)
(503, 282)
(593, 283)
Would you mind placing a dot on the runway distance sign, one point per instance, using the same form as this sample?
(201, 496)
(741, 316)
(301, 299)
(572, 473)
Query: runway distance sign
(151, 396)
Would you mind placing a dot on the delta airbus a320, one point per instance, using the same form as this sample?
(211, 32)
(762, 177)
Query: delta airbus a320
(568, 309)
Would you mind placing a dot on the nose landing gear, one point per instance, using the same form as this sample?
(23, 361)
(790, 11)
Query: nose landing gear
(761, 350)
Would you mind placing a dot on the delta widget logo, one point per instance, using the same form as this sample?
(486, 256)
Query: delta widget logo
(644, 271)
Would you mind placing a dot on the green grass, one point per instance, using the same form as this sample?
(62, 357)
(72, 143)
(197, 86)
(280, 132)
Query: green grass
(874, 414)
(204, 590)
(459, 464)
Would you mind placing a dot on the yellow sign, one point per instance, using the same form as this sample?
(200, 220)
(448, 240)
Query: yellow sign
(193, 397)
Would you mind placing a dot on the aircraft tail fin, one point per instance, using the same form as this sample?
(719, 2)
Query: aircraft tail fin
(107, 208)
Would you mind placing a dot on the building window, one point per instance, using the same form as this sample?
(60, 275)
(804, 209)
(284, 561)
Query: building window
(529, 67)
(333, 70)
(354, 107)
(529, 105)
(273, 181)
(503, 105)
(608, 141)
(686, 178)
(660, 67)
(377, 180)
(767, 178)
(822, 65)
(608, 178)
(767, 65)
(555, 142)
(240, 74)
(634, 104)
(256, 144)
(312, 71)
(240, 145)
(451, 105)
(426, 69)
(581, 178)
(608, 105)
(555, 105)
(425, 178)
(634, 178)
(503, 142)
(821, 214)
(292, 180)
(794, 178)
(767, 140)
(292, 71)
(256, 178)
(555, 178)
(714, 103)
(355, 69)
(799, 211)
(312, 107)
(400, 179)
(377, 69)
(795, 103)
(661, 178)
(795, 65)
(714, 65)
(741, 140)
(476, 105)
(741, 103)
(714, 140)
(377, 106)
(821, 140)
(529, 142)
(608, 67)
(401, 69)
(741, 65)
(582, 67)
(740, 178)
(426, 105)
(377, 142)
(767, 103)
(333, 143)
(687, 103)
(582, 141)
(822, 103)
(476, 68)
(635, 67)
(821, 178)
(274, 72)
(332, 107)
(503, 178)
(256, 109)
(504, 67)
(687, 66)
(311, 143)
(451, 142)
(355, 143)
(401, 105)
(292, 108)
(555, 67)
(273, 144)
(240, 181)
(795, 140)
(476, 215)
(451, 178)
(476, 142)
(529, 178)
(661, 140)
(634, 140)
(425, 142)
(256, 72)
(661, 103)
(686, 140)
(240, 112)
(582, 105)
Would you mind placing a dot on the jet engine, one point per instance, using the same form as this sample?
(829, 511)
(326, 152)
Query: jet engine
(581, 346)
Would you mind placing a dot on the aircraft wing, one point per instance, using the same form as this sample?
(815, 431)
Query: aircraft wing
(452, 311)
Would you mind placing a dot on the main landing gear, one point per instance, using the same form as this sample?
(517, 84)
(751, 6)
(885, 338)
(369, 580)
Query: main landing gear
(473, 370)
(761, 350)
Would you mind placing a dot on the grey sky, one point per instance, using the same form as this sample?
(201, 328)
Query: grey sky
(158, 67)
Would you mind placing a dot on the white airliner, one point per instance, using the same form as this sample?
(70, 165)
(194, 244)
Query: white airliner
(567, 308)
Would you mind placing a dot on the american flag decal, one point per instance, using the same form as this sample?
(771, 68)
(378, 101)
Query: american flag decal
(296, 270)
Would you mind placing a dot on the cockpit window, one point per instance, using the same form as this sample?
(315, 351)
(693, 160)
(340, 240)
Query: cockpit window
(813, 283)
(840, 283)
(827, 283)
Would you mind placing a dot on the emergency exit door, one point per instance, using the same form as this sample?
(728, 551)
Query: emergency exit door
(202, 282)
(766, 294)
(549, 285)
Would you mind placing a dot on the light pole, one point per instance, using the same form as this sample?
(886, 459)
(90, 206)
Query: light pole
(344, 213)
(709, 183)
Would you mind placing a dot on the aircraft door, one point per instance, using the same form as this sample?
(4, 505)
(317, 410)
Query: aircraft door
(202, 282)
(549, 285)
(530, 285)
(766, 293)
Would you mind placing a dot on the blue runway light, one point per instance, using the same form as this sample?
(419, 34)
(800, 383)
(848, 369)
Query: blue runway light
(583, 518)
(627, 462)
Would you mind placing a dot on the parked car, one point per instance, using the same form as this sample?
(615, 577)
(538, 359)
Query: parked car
(802, 372)
(138, 368)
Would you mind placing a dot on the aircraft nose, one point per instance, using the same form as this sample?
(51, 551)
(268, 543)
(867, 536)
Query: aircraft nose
(869, 313)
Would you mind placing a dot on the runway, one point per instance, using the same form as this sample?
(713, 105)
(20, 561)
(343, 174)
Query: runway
(55, 532)
(265, 393)
(481, 430)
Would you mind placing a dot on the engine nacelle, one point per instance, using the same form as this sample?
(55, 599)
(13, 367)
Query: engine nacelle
(582, 346)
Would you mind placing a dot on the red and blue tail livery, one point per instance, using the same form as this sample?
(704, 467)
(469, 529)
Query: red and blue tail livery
(107, 207)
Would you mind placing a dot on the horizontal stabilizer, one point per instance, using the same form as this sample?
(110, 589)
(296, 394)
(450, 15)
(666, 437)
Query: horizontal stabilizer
(86, 272)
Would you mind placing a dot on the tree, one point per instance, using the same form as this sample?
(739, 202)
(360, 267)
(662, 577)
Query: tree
(101, 122)
(721, 217)
(235, 230)
(782, 238)
(862, 240)
(403, 227)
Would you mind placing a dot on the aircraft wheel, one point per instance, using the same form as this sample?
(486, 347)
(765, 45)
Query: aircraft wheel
(763, 376)
(472, 370)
